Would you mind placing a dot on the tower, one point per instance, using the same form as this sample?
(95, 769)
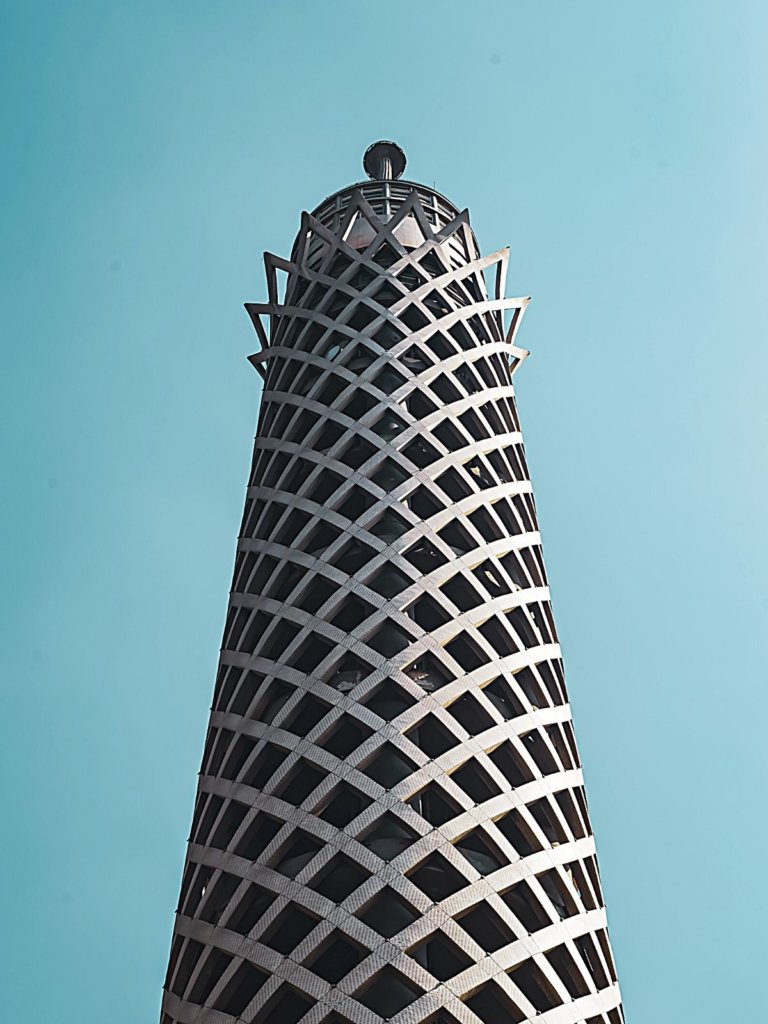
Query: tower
(390, 821)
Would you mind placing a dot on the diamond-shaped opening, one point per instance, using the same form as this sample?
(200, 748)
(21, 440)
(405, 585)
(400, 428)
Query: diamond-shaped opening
(303, 779)
(214, 966)
(337, 957)
(411, 278)
(340, 877)
(344, 805)
(492, 1004)
(345, 736)
(530, 686)
(218, 897)
(537, 748)
(326, 484)
(423, 503)
(523, 626)
(421, 453)
(328, 436)
(487, 928)
(469, 713)
(264, 767)
(241, 989)
(387, 295)
(361, 278)
(388, 380)
(363, 315)
(192, 953)
(416, 359)
(418, 405)
(357, 452)
(388, 335)
(446, 390)
(389, 639)
(271, 701)
(430, 735)
(333, 386)
(314, 649)
(434, 805)
(348, 673)
(231, 820)
(428, 614)
(466, 652)
(485, 525)
(388, 837)
(388, 913)
(463, 594)
(250, 909)
(290, 927)
(568, 808)
(428, 673)
(468, 380)
(356, 504)
(531, 981)
(204, 819)
(565, 967)
(446, 431)
(437, 878)
(286, 1006)
(389, 425)
(432, 263)
(484, 856)
(238, 755)
(586, 946)
(249, 685)
(390, 475)
(424, 556)
(457, 538)
(385, 255)
(306, 716)
(516, 830)
(294, 855)
(316, 592)
(338, 264)
(526, 907)
(413, 318)
(193, 888)
(359, 404)
(388, 992)
(440, 956)
(321, 538)
(389, 700)
(389, 766)
(353, 556)
(511, 764)
(389, 582)
(488, 574)
(548, 821)
(504, 699)
(389, 527)
(475, 781)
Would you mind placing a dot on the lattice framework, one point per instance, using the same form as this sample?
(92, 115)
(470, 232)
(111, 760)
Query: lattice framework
(391, 822)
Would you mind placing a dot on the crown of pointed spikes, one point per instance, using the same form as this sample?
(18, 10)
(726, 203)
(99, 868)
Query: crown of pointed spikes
(373, 274)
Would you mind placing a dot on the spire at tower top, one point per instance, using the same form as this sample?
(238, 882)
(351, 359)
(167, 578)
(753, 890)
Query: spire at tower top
(384, 161)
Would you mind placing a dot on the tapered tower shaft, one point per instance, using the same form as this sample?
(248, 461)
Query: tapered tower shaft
(390, 823)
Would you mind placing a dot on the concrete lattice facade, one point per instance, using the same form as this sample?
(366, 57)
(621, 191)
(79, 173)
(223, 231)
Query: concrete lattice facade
(391, 821)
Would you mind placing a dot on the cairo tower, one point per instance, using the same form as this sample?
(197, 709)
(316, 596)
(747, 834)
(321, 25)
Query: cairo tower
(390, 822)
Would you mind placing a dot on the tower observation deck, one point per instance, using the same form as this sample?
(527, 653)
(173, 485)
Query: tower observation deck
(390, 821)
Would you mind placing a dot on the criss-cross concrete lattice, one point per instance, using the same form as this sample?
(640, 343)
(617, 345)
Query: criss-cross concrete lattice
(391, 821)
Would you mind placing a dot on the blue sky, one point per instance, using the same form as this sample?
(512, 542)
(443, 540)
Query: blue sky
(151, 152)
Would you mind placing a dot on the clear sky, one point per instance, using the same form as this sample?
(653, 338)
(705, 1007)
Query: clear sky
(151, 151)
